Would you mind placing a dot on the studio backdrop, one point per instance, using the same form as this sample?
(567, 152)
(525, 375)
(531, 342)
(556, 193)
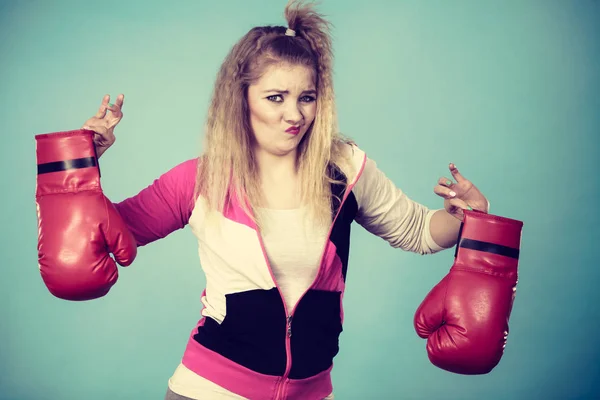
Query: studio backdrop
(506, 90)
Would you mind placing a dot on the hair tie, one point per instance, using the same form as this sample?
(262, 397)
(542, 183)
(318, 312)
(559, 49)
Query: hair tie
(290, 32)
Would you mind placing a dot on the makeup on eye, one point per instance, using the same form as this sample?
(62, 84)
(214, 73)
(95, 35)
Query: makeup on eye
(304, 98)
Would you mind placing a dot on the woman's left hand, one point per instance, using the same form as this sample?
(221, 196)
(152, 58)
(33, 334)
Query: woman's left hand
(460, 195)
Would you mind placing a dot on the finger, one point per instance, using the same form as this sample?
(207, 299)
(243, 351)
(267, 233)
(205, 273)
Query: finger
(460, 206)
(444, 192)
(102, 110)
(115, 110)
(119, 101)
(463, 205)
(445, 182)
(457, 175)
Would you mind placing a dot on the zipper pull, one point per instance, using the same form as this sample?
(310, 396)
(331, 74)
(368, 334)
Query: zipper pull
(289, 326)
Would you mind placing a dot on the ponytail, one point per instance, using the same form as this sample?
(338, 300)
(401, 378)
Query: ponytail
(306, 23)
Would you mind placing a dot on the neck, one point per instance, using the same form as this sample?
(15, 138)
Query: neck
(279, 181)
(273, 168)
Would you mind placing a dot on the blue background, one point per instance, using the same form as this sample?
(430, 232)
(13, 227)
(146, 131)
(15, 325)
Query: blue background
(507, 90)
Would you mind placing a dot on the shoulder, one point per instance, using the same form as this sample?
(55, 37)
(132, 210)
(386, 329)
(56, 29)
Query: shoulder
(177, 185)
(181, 177)
(351, 160)
(186, 169)
(359, 169)
(364, 178)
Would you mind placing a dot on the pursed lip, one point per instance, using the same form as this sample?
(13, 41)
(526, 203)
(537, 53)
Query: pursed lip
(293, 130)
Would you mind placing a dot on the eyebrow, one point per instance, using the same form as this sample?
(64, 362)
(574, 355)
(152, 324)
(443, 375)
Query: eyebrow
(310, 91)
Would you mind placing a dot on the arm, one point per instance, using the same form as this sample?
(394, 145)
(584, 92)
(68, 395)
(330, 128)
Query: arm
(163, 207)
(386, 211)
(444, 228)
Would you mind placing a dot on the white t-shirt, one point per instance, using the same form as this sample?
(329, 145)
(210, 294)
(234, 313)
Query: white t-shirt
(294, 249)
(294, 252)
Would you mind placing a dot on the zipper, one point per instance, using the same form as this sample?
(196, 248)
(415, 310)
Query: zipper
(288, 326)
(281, 384)
(280, 389)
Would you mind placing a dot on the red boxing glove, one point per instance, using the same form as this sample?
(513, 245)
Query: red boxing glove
(465, 316)
(78, 227)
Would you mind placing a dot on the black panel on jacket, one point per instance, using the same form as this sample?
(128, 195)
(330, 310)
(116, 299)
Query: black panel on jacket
(337, 189)
(253, 332)
(340, 234)
(316, 327)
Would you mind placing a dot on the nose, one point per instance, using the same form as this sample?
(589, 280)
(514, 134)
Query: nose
(292, 113)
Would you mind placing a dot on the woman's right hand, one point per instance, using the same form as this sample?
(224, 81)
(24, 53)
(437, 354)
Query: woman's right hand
(104, 122)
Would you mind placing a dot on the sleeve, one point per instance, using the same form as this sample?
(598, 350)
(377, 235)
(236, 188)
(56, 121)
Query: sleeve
(386, 211)
(163, 207)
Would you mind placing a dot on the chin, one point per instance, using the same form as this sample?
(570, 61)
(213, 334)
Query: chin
(287, 146)
(282, 152)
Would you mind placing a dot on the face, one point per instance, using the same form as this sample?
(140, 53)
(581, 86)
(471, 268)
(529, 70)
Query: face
(282, 107)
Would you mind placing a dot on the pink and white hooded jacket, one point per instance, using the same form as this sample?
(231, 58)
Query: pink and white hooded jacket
(248, 341)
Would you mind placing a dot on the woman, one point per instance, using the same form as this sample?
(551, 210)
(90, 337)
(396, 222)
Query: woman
(271, 201)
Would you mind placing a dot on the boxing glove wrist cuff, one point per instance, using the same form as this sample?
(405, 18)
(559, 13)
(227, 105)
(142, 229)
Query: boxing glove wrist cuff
(489, 244)
(66, 162)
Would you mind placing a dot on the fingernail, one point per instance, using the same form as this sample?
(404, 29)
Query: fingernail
(448, 182)
(452, 194)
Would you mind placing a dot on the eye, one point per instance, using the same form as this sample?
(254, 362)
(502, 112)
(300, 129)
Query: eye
(307, 99)
(274, 98)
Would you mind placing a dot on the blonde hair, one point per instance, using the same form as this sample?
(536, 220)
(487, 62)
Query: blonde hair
(227, 166)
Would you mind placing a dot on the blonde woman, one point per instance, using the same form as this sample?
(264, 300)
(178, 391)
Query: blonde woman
(271, 201)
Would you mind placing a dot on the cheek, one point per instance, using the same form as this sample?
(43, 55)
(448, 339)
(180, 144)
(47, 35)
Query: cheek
(310, 111)
(264, 114)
